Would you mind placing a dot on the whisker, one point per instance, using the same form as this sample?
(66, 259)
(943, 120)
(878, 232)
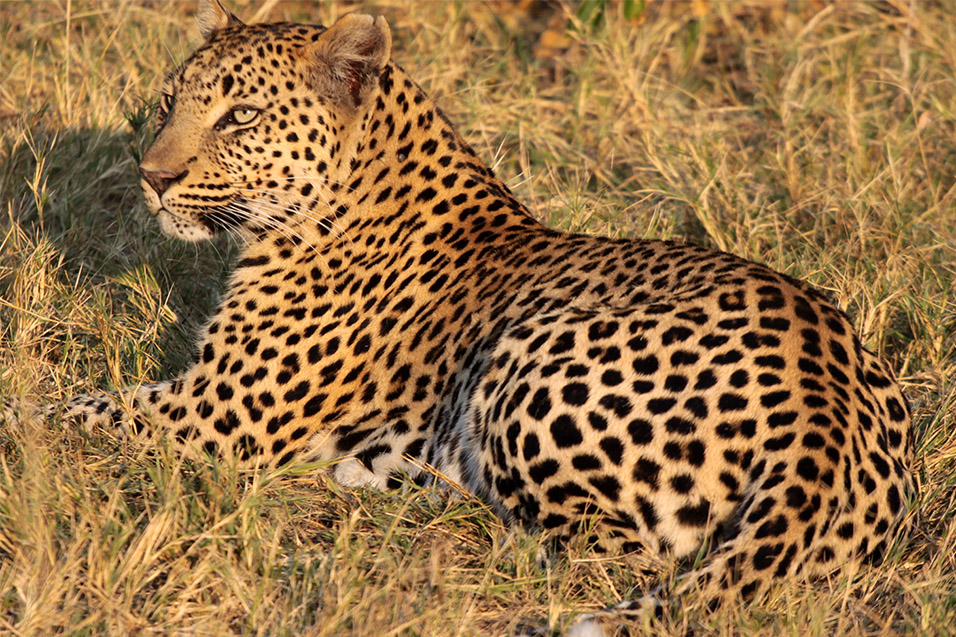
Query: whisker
(270, 222)
(328, 222)
(316, 182)
(294, 213)
(312, 180)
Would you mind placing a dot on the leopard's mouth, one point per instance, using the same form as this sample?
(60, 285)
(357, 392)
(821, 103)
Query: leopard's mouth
(213, 219)
(224, 218)
(181, 227)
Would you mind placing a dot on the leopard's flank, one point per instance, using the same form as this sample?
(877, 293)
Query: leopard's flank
(395, 306)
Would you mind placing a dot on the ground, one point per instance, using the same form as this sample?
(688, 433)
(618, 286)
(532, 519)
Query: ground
(819, 141)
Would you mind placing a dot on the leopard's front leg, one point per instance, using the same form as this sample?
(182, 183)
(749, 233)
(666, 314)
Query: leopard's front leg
(199, 417)
(129, 412)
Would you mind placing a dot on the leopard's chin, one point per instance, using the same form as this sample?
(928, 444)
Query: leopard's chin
(183, 229)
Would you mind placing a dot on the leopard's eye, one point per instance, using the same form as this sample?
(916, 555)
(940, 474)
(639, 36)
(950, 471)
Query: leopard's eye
(244, 115)
(166, 102)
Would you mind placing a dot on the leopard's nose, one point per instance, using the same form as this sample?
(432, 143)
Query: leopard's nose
(161, 180)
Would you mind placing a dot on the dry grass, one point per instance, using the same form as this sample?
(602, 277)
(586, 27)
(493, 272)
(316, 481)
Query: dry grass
(821, 141)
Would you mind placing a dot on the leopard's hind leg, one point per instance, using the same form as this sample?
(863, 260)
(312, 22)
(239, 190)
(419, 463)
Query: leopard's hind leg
(790, 526)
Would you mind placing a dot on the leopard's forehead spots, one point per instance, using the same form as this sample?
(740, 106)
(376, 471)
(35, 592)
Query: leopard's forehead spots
(246, 61)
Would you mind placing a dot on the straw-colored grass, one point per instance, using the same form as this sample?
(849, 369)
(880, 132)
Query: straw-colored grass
(819, 138)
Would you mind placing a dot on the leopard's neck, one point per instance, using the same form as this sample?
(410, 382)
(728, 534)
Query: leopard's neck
(402, 165)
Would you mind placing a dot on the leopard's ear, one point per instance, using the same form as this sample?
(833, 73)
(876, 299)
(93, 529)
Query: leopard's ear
(212, 17)
(347, 59)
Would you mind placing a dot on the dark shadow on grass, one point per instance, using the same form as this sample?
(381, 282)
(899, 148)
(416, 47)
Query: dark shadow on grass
(78, 189)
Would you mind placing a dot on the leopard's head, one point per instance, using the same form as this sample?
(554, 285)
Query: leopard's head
(258, 124)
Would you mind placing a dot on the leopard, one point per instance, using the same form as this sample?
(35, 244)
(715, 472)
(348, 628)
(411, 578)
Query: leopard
(397, 313)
